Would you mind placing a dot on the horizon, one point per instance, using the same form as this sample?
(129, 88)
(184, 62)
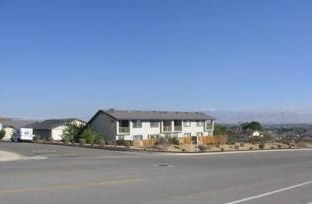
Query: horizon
(71, 58)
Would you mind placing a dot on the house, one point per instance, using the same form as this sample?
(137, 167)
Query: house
(12, 126)
(141, 125)
(53, 128)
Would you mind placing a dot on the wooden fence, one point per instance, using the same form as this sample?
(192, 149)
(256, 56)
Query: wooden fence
(206, 140)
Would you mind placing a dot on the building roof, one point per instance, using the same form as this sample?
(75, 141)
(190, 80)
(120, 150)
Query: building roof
(52, 123)
(16, 123)
(156, 115)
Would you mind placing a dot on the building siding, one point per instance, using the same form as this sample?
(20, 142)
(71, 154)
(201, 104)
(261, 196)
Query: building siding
(105, 125)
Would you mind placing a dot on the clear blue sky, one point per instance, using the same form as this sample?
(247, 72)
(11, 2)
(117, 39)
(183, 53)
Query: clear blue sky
(66, 58)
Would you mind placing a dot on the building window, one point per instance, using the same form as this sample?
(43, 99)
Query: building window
(199, 123)
(137, 124)
(187, 123)
(137, 137)
(153, 136)
(154, 124)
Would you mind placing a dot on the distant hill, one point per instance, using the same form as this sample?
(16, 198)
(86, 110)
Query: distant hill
(233, 117)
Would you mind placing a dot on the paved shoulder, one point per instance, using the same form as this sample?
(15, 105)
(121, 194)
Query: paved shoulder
(9, 156)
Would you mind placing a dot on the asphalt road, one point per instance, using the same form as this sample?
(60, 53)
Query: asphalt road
(65, 175)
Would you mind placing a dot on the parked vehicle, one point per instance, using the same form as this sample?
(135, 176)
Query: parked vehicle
(23, 134)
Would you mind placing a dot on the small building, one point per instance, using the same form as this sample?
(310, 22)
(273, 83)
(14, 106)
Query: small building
(53, 128)
(142, 125)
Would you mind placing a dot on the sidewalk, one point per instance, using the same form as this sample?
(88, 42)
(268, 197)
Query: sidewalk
(235, 152)
(9, 156)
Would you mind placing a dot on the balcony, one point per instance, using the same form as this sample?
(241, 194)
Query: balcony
(167, 128)
(124, 129)
(177, 128)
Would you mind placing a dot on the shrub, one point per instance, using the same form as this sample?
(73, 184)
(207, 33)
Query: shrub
(36, 138)
(82, 141)
(173, 140)
(236, 147)
(222, 149)
(279, 146)
(272, 147)
(250, 148)
(202, 148)
(91, 136)
(162, 141)
(126, 143)
(242, 144)
(183, 150)
(71, 132)
(194, 139)
(101, 142)
(2, 134)
(261, 146)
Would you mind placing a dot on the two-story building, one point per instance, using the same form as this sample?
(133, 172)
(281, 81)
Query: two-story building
(141, 125)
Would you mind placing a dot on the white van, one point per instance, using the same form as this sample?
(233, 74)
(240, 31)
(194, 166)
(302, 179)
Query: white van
(23, 134)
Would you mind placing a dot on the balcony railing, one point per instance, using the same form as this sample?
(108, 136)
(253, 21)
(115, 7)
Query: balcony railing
(177, 128)
(208, 127)
(124, 129)
(167, 128)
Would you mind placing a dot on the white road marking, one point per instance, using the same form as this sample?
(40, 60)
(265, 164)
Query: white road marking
(270, 193)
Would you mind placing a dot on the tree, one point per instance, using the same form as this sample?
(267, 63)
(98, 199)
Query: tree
(2, 134)
(71, 132)
(220, 130)
(251, 126)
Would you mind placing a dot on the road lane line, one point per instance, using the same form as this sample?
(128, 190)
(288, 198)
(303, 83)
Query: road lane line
(70, 186)
(270, 193)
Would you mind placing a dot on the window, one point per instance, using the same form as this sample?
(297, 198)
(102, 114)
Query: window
(154, 124)
(153, 136)
(187, 123)
(137, 137)
(199, 123)
(137, 124)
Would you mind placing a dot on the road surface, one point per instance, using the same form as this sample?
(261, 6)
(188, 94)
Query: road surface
(69, 175)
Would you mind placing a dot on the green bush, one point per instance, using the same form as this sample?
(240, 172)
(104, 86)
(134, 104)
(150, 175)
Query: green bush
(71, 132)
(173, 140)
(2, 134)
(82, 141)
(101, 142)
(36, 138)
(91, 136)
(202, 148)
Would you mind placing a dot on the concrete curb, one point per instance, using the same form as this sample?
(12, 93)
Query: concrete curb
(111, 148)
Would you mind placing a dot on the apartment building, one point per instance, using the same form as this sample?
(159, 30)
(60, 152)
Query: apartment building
(141, 125)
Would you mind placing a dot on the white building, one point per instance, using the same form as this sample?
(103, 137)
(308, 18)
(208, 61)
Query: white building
(142, 125)
(53, 128)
